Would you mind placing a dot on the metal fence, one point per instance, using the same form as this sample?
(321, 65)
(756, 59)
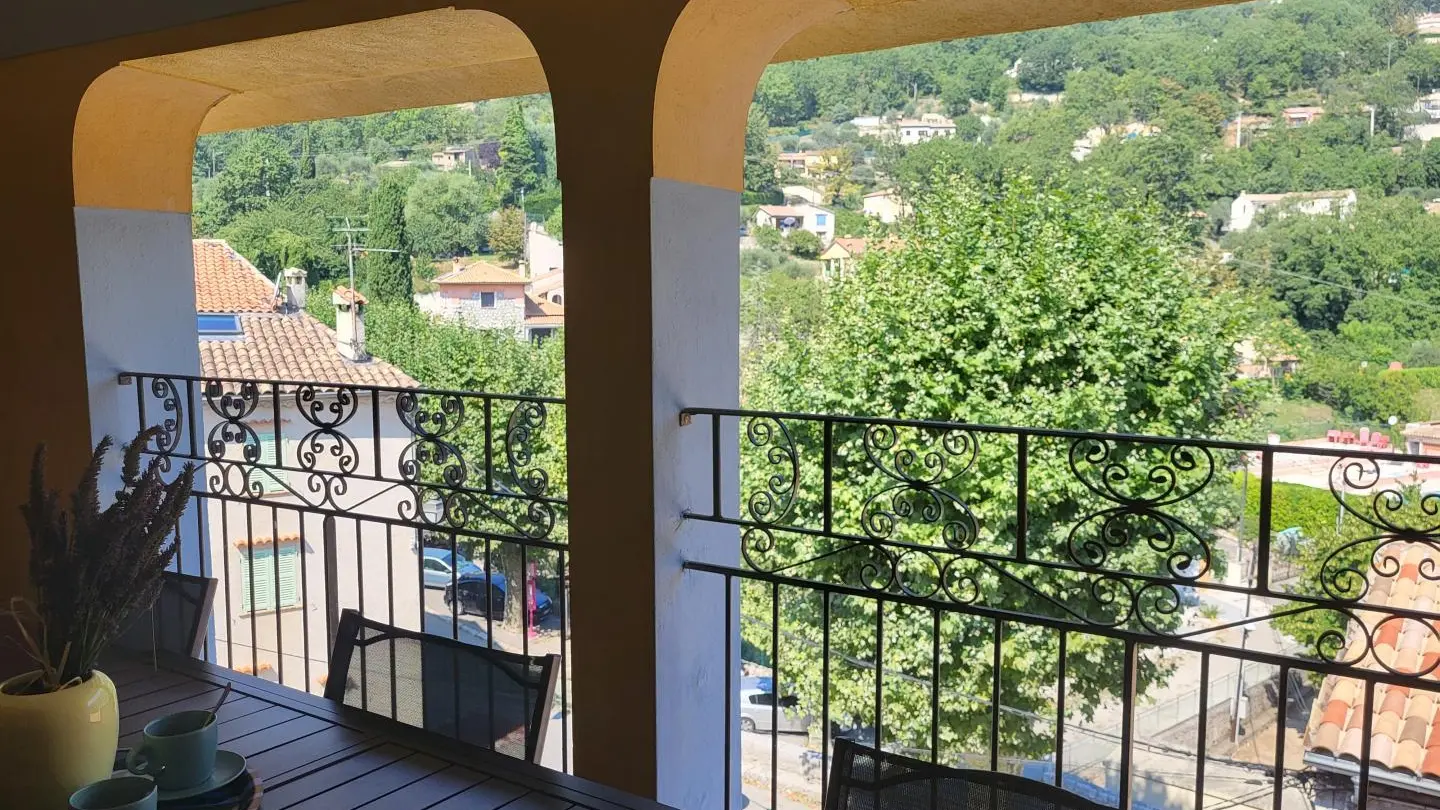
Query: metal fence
(313, 497)
(993, 596)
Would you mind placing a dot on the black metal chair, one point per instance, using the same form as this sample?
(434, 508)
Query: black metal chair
(179, 620)
(485, 697)
(862, 778)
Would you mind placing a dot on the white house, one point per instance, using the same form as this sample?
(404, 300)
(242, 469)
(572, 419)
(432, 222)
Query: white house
(910, 131)
(543, 252)
(1248, 207)
(266, 542)
(798, 217)
(885, 205)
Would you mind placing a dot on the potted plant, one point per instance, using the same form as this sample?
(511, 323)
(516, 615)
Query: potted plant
(90, 570)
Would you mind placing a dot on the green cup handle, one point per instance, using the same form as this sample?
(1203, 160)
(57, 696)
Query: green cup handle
(138, 762)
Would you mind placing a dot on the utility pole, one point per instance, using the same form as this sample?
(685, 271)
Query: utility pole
(352, 248)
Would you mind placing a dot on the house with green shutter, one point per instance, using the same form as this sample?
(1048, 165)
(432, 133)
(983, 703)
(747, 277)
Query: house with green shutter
(302, 465)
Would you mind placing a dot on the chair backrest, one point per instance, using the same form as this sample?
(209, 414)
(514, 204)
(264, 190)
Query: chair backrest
(862, 778)
(482, 696)
(179, 620)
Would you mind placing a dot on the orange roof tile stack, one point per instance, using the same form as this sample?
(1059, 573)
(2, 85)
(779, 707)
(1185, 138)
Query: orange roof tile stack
(1405, 728)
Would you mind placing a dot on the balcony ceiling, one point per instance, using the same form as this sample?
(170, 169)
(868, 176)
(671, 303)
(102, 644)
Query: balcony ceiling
(448, 55)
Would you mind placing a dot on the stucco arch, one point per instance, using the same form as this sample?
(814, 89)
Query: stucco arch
(136, 125)
(712, 62)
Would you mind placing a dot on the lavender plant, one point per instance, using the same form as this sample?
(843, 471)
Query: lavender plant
(92, 569)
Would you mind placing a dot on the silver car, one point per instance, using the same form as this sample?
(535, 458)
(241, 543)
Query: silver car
(757, 711)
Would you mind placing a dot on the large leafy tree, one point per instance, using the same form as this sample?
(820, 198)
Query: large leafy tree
(520, 168)
(507, 234)
(387, 266)
(1001, 304)
(446, 214)
(759, 158)
(258, 171)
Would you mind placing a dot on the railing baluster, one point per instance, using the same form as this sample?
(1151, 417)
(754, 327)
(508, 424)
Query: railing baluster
(275, 569)
(716, 507)
(279, 427)
(254, 605)
(489, 451)
(1262, 538)
(229, 605)
(1127, 721)
(563, 606)
(728, 718)
(998, 630)
(1202, 732)
(827, 476)
(390, 594)
(935, 686)
(824, 693)
(776, 690)
(1283, 702)
(331, 539)
(1367, 728)
(879, 669)
(305, 601)
(455, 586)
(1022, 496)
(1060, 711)
(375, 430)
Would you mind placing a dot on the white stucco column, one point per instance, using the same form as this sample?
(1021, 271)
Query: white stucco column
(695, 317)
(137, 296)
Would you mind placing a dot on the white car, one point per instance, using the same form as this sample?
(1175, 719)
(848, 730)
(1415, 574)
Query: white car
(757, 711)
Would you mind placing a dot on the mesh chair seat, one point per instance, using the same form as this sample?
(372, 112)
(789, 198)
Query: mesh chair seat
(178, 622)
(862, 778)
(478, 695)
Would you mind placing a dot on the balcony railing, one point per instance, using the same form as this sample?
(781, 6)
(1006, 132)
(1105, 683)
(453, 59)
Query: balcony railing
(1120, 615)
(311, 498)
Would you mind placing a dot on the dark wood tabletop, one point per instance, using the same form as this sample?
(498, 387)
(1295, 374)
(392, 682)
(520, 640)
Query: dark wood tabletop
(313, 753)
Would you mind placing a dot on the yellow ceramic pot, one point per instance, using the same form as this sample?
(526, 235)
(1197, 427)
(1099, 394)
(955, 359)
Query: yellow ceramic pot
(55, 743)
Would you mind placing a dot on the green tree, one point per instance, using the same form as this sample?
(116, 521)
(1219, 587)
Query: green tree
(768, 237)
(555, 223)
(507, 234)
(258, 171)
(759, 159)
(386, 267)
(945, 325)
(446, 214)
(803, 244)
(519, 170)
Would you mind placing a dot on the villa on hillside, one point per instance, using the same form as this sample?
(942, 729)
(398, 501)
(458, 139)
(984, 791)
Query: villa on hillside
(885, 205)
(1247, 208)
(789, 218)
(841, 254)
(484, 296)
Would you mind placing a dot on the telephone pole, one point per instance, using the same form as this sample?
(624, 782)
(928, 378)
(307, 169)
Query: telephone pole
(352, 248)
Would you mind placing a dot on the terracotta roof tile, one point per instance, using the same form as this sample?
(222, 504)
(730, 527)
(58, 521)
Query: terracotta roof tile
(539, 312)
(225, 281)
(1405, 728)
(267, 540)
(481, 273)
(292, 347)
(344, 294)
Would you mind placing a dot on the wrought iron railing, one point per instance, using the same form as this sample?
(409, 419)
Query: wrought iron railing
(1011, 598)
(315, 497)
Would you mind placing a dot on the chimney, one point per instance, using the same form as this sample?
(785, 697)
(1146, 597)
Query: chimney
(293, 279)
(349, 324)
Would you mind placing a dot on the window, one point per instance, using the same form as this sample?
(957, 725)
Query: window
(487, 300)
(432, 564)
(271, 481)
(257, 573)
(763, 699)
(820, 219)
(210, 325)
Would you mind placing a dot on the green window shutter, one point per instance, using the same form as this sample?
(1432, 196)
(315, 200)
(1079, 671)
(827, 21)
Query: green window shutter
(271, 480)
(289, 575)
(257, 566)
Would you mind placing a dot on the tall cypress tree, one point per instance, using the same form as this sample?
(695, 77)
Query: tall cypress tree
(519, 164)
(387, 275)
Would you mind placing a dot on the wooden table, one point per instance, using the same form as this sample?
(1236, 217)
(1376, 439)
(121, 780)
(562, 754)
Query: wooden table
(312, 753)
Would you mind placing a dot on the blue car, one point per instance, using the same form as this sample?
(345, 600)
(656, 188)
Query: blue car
(438, 567)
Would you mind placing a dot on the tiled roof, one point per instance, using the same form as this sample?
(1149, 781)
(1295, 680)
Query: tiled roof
(292, 347)
(542, 284)
(267, 540)
(1405, 729)
(852, 245)
(1423, 430)
(344, 294)
(539, 312)
(225, 281)
(481, 273)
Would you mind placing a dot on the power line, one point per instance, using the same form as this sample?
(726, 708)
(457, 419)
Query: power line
(1359, 291)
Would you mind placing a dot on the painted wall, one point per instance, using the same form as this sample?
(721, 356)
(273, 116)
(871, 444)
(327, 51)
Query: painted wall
(696, 314)
(543, 251)
(462, 302)
(371, 558)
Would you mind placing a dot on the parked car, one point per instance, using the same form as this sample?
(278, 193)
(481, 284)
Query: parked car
(441, 567)
(471, 581)
(757, 711)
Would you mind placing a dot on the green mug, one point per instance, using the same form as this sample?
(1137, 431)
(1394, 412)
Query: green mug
(119, 793)
(177, 750)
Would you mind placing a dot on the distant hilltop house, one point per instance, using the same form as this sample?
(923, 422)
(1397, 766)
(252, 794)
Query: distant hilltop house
(906, 131)
(484, 296)
(1242, 129)
(1090, 141)
(885, 205)
(838, 258)
(1429, 104)
(1427, 28)
(797, 217)
(1301, 116)
(480, 155)
(807, 163)
(1248, 207)
(1252, 364)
